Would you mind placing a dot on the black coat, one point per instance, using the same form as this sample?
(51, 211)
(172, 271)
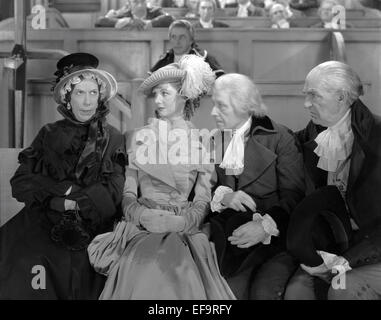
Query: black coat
(253, 10)
(47, 169)
(364, 182)
(273, 176)
(169, 57)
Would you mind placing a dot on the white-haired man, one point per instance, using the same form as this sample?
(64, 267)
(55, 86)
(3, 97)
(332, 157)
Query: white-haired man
(327, 14)
(335, 232)
(278, 17)
(259, 182)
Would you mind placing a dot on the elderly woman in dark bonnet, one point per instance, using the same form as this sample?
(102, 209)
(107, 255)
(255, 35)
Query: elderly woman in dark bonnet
(71, 179)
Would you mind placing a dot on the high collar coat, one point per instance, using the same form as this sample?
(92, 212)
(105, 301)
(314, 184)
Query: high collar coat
(273, 170)
(364, 182)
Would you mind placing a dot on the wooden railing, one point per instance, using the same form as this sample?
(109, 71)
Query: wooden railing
(77, 5)
(228, 12)
(306, 22)
(277, 61)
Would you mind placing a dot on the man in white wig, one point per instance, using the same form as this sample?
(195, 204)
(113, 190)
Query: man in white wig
(259, 182)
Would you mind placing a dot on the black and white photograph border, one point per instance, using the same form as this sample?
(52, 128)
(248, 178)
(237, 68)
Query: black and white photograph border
(296, 182)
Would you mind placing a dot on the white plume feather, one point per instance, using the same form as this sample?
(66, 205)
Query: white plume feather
(199, 76)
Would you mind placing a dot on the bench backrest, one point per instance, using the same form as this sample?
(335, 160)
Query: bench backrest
(8, 165)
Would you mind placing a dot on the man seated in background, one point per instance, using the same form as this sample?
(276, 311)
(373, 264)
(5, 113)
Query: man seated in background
(290, 12)
(327, 16)
(181, 40)
(206, 10)
(244, 8)
(136, 14)
(192, 6)
(278, 17)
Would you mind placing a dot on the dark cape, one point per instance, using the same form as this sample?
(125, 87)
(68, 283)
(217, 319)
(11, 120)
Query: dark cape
(273, 177)
(89, 157)
(169, 57)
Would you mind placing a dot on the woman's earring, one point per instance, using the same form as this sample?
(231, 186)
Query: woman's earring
(68, 106)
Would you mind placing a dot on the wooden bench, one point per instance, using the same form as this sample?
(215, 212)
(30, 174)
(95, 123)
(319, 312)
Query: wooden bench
(9, 206)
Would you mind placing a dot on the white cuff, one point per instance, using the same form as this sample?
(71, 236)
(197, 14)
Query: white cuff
(333, 261)
(122, 22)
(68, 191)
(269, 225)
(216, 204)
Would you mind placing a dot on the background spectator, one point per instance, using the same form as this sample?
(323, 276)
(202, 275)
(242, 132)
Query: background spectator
(181, 40)
(278, 17)
(206, 10)
(136, 14)
(326, 15)
(192, 6)
(290, 12)
(244, 8)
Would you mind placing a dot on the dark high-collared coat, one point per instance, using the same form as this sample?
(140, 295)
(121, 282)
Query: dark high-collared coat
(169, 57)
(364, 182)
(273, 176)
(28, 255)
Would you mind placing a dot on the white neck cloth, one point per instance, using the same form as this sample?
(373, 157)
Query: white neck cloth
(235, 152)
(335, 144)
(243, 10)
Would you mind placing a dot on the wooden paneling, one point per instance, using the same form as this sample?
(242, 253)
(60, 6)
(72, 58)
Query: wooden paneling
(119, 60)
(77, 5)
(278, 62)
